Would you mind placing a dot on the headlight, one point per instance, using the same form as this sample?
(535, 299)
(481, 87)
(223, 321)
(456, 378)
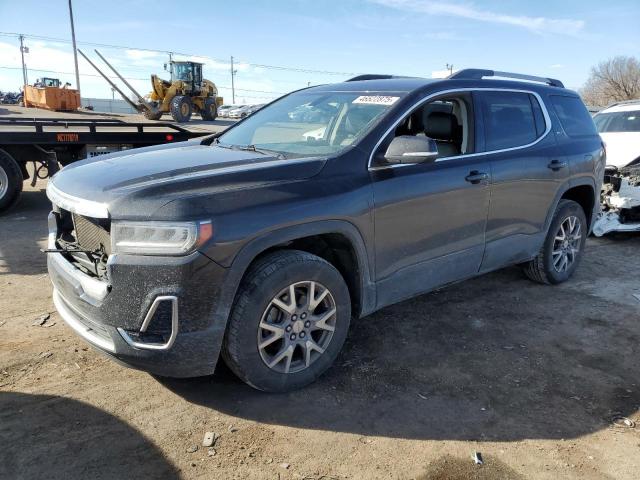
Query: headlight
(159, 238)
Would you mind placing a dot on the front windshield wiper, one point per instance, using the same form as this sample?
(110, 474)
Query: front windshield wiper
(251, 148)
(264, 151)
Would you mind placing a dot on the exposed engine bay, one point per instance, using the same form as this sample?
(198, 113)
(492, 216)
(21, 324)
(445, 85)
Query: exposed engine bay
(84, 241)
(620, 199)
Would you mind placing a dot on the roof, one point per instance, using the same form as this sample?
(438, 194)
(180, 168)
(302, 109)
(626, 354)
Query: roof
(468, 78)
(395, 84)
(628, 106)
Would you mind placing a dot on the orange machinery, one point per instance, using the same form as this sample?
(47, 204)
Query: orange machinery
(47, 93)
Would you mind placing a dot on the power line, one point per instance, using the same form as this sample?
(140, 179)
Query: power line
(134, 78)
(257, 65)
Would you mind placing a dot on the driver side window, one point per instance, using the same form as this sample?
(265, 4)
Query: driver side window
(448, 121)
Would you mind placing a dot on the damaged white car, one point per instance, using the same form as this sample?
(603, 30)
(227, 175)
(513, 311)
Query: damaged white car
(619, 127)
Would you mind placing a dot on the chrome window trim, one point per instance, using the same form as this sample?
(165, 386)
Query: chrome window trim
(543, 107)
(77, 205)
(147, 319)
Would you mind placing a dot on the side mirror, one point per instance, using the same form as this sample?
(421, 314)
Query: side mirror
(165, 67)
(411, 149)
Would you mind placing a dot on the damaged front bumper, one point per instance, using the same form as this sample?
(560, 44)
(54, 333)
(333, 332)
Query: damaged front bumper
(620, 202)
(152, 313)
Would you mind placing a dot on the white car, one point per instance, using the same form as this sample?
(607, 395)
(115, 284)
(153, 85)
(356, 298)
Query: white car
(223, 110)
(619, 127)
(240, 112)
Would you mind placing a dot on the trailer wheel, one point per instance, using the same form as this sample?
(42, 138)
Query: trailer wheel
(210, 110)
(155, 115)
(181, 108)
(10, 181)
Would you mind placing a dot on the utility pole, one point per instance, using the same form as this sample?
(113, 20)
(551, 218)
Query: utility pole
(450, 68)
(233, 87)
(23, 50)
(75, 50)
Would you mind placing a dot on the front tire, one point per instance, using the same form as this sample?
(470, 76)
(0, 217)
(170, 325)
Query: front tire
(210, 110)
(289, 321)
(563, 246)
(181, 108)
(10, 181)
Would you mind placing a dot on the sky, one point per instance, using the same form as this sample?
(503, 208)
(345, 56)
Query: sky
(282, 45)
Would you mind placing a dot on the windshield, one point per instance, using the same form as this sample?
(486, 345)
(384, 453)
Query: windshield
(618, 121)
(182, 71)
(311, 123)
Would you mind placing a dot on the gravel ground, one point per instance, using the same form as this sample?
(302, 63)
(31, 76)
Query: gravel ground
(530, 376)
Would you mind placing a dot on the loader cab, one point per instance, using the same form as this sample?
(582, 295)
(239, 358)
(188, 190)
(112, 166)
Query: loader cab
(47, 82)
(188, 72)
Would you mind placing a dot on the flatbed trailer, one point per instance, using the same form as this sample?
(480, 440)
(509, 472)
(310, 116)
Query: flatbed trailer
(51, 142)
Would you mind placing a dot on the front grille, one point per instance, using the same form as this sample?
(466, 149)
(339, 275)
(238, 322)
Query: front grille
(91, 235)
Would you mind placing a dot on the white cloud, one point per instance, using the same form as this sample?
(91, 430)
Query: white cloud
(471, 12)
(253, 84)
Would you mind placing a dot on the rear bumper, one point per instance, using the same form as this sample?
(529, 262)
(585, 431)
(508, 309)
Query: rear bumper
(164, 315)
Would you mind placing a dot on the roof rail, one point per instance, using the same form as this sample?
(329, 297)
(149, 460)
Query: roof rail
(375, 76)
(479, 74)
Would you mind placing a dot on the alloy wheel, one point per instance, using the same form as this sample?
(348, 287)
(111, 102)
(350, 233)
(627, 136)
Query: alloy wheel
(297, 327)
(566, 244)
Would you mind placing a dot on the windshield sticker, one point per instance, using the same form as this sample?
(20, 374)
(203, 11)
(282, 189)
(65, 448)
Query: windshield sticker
(376, 100)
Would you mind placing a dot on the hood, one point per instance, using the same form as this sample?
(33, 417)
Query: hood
(144, 179)
(622, 147)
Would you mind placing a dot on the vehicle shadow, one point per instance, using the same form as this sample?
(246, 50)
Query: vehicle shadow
(23, 231)
(5, 111)
(496, 358)
(56, 437)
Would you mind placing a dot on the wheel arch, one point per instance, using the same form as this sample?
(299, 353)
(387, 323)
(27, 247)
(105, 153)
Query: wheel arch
(582, 191)
(338, 242)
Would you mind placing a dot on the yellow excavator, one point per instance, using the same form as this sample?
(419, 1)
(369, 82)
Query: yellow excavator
(187, 92)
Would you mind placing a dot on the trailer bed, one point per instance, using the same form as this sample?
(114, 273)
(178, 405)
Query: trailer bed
(49, 139)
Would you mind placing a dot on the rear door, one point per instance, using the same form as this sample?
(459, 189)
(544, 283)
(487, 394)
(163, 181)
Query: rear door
(526, 172)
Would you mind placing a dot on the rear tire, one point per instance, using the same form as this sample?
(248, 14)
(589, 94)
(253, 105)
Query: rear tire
(210, 109)
(275, 344)
(181, 108)
(10, 181)
(563, 246)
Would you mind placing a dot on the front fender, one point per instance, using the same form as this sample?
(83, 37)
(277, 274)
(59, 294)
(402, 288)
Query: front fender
(250, 251)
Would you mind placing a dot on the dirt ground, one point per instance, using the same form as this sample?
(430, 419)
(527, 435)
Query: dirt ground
(530, 376)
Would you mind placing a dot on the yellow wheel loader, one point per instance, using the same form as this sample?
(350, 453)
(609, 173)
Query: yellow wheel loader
(185, 93)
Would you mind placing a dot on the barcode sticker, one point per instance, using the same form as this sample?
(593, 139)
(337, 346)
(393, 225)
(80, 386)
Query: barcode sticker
(376, 100)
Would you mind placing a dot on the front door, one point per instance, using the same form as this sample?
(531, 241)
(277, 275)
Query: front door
(430, 218)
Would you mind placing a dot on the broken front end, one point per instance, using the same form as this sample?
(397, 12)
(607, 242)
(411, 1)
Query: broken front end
(620, 201)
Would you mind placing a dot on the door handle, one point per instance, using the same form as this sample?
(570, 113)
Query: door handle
(476, 177)
(556, 165)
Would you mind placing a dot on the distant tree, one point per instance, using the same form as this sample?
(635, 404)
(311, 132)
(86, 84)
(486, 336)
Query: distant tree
(613, 80)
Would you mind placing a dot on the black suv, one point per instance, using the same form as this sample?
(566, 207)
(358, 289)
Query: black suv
(334, 201)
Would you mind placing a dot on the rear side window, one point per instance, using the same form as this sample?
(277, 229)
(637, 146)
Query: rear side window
(573, 115)
(511, 119)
